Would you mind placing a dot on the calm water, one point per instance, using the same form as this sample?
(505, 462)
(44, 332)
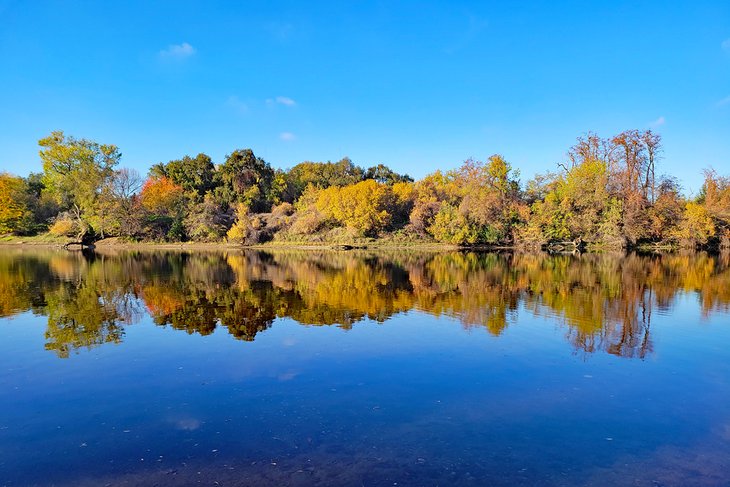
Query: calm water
(315, 368)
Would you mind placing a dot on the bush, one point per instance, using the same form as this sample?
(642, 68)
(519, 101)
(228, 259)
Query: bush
(307, 223)
(64, 226)
(177, 231)
(246, 230)
(284, 209)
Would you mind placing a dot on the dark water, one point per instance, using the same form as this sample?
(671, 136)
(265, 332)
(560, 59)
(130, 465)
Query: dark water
(306, 368)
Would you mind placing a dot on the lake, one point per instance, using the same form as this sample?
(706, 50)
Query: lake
(363, 368)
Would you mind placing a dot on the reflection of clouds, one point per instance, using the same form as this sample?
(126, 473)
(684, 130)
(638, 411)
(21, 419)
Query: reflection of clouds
(187, 424)
(287, 375)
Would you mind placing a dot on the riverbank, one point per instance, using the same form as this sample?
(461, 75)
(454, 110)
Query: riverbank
(115, 243)
(50, 241)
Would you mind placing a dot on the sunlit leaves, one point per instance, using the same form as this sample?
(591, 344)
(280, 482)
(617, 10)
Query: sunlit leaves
(161, 196)
(15, 213)
(76, 170)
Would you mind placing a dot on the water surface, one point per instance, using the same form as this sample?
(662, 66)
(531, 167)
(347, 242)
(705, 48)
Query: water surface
(342, 368)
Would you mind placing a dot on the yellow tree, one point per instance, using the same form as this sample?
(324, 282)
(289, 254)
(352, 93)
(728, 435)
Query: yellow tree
(696, 227)
(362, 207)
(14, 211)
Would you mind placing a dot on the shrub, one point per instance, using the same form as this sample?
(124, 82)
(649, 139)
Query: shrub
(64, 226)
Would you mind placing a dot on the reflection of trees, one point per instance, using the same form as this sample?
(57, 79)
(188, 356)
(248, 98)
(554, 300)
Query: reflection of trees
(87, 299)
(606, 302)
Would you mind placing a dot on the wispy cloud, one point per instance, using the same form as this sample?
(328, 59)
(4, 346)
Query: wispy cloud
(287, 136)
(723, 102)
(725, 45)
(237, 104)
(658, 122)
(178, 51)
(281, 100)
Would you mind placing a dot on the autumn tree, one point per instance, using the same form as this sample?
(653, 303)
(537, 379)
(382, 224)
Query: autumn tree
(475, 204)
(715, 196)
(245, 229)
(633, 169)
(163, 200)
(431, 193)
(125, 212)
(15, 212)
(491, 194)
(362, 207)
(324, 174)
(161, 196)
(667, 210)
(696, 226)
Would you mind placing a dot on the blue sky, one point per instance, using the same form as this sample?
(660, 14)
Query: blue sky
(415, 85)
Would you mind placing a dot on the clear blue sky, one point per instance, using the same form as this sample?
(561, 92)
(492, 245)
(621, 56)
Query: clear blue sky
(415, 85)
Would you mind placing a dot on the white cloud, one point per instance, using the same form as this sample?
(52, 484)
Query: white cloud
(178, 51)
(287, 136)
(725, 45)
(658, 122)
(281, 100)
(236, 104)
(724, 101)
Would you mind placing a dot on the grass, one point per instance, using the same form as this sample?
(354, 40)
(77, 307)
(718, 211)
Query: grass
(43, 239)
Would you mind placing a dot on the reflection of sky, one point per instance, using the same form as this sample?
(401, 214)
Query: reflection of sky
(418, 399)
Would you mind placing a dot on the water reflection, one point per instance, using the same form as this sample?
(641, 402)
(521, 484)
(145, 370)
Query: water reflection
(605, 302)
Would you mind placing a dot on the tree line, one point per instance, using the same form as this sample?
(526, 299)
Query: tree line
(608, 192)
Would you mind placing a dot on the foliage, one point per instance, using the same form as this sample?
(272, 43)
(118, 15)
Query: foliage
(76, 170)
(607, 192)
(207, 221)
(696, 226)
(362, 207)
(161, 196)
(15, 214)
(324, 174)
(197, 176)
(64, 226)
(385, 175)
(245, 230)
(245, 179)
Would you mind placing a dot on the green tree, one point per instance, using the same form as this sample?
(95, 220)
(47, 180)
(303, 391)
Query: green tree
(385, 175)
(75, 171)
(245, 179)
(196, 175)
(324, 174)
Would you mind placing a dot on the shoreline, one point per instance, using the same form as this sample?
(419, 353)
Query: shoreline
(113, 243)
(221, 246)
